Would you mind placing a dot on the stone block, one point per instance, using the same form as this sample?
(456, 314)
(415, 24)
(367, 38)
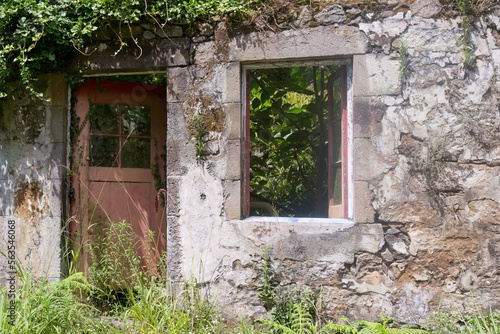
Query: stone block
(178, 83)
(331, 14)
(174, 248)
(176, 123)
(168, 31)
(324, 41)
(154, 56)
(368, 163)
(363, 209)
(375, 74)
(177, 153)
(58, 124)
(426, 8)
(233, 83)
(205, 53)
(233, 112)
(334, 243)
(432, 35)
(173, 196)
(233, 168)
(232, 199)
(4, 159)
(368, 114)
(55, 199)
(57, 162)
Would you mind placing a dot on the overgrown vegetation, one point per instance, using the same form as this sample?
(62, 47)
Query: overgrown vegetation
(296, 309)
(38, 36)
(45, 307)
(68, 306)
(289, 136)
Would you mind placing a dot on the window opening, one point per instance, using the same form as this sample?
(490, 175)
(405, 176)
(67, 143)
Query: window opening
(120, 126)
(297, 142)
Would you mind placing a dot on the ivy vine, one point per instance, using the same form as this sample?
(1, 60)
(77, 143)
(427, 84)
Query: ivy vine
(39, 36)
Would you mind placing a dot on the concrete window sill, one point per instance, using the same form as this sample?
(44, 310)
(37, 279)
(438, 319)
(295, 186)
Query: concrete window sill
(258, 219)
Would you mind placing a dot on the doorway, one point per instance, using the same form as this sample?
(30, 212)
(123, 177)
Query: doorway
(119, 165)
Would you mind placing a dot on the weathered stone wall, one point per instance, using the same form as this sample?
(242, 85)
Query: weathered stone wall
(426, 167)
(426, 184)
(33, 146)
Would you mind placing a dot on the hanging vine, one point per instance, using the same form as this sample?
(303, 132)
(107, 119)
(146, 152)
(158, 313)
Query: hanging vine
(39, 36)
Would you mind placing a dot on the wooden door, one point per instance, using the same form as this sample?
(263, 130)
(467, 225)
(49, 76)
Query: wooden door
(118, 160)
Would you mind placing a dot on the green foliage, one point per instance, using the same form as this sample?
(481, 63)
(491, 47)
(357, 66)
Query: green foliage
(289, 307)
(154, 310)
(465, 43)
(44, 307)
(288, 134)
(200, 131)
(456, 323)
(38, 36)
(267, 286)
(286, 298)
(114, 262)
(301, 323)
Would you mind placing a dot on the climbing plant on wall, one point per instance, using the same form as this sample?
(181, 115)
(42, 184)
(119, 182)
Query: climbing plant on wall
(38, 36)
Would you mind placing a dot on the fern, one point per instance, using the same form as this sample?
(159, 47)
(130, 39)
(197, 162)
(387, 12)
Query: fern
(273, 325)
(378, 328)
(338, 329)
(301, 319)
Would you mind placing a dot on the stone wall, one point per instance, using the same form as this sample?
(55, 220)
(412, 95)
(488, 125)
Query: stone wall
(424, 232)
(426, 178)
(33, 148)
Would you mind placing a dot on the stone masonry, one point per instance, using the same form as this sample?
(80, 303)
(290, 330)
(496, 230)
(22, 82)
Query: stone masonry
(425, 231)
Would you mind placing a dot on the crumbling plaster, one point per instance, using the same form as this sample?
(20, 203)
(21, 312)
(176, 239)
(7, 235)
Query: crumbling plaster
(426, 184)
(32, 160)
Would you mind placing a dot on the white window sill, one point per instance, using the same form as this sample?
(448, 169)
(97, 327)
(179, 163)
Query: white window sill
(258, 219)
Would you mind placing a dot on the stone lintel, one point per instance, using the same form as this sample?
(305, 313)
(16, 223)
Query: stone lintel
(325, 41)
(155, 56)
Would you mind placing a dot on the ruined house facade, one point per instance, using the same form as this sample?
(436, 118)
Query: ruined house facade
(421, 223)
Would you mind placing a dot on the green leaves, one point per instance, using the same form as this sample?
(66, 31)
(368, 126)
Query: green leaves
(287, 134)
(38, 36)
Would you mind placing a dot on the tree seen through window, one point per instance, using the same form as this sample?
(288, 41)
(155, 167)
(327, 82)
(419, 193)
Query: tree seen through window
(296, 124)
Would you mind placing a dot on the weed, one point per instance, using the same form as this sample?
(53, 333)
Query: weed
(465, 43)
(114, 262)
(153, 310)
(454, 322)
(288, 306)
(266, 288)
(200, 131)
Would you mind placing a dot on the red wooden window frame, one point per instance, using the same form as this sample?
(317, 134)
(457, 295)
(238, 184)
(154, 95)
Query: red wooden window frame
(342, 212)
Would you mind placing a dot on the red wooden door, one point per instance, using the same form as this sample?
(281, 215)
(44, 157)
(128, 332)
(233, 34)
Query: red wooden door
(121, 138)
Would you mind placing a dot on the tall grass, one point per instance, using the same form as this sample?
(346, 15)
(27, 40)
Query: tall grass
(56, 307)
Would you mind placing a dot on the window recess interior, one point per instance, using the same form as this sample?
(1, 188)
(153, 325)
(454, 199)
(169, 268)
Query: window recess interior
(297, 141)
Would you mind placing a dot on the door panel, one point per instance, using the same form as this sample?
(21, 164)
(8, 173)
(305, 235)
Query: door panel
(122, 131)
